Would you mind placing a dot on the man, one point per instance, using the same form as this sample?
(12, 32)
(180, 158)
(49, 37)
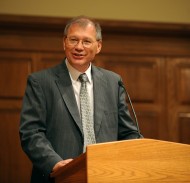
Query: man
(59, 118)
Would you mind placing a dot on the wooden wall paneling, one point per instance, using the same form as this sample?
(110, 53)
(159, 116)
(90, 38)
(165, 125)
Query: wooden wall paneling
(149, 122)
(15, 166)
(183, 95)
(183, 80)
(16, 66)
(27, 40)
(144, 80)
(14, 69)
(184, 127)
(145, 44)
(139, 74)
(47, 60)
(178, 92)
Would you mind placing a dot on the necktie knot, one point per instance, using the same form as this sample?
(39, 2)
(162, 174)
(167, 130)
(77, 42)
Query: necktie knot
(83, 78)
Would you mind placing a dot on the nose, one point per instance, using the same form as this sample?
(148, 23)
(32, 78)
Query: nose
(79, 45)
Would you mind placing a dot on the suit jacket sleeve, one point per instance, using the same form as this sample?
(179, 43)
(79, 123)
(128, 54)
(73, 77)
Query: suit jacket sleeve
(33, 129)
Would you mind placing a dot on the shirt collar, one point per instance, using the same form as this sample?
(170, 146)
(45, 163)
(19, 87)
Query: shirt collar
(74, 74)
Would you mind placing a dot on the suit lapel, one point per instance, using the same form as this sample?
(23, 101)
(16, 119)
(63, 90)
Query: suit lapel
(99, 87)
(65, 87)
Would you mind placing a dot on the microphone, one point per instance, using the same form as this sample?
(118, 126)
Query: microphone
(134, 114)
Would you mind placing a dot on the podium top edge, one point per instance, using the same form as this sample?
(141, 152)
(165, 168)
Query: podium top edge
(142, 140)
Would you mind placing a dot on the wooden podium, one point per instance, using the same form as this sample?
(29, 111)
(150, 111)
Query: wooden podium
(141, 160)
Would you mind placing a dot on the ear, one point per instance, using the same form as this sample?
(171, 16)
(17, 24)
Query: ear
(99, 47)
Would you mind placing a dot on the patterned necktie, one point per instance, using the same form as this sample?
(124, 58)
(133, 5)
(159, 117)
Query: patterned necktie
(86, 116)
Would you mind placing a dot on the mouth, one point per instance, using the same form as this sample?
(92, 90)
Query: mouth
(78, 55)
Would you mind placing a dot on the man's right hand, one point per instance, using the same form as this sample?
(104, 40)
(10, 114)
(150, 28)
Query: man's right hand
(61, 164)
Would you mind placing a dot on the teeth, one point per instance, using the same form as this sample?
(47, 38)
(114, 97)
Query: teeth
(78, 54)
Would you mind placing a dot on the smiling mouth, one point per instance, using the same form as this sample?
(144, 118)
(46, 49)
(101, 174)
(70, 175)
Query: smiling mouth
(78, 54)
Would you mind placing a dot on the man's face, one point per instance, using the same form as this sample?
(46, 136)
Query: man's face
(81, 46)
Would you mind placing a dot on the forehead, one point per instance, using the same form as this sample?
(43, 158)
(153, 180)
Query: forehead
(87, 30)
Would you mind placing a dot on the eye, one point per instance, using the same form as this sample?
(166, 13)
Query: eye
(73, 40)
(87, 42)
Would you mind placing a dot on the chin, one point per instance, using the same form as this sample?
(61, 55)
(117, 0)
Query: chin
(79, 61)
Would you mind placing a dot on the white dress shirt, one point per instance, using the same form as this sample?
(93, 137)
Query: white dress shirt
(74, 74)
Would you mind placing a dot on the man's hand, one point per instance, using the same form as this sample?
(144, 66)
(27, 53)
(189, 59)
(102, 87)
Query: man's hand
(61, 164)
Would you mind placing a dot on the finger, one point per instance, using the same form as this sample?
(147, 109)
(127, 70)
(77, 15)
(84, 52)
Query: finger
(66, 161)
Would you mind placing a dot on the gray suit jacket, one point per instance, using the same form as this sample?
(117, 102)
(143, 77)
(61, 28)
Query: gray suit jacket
(50, 125)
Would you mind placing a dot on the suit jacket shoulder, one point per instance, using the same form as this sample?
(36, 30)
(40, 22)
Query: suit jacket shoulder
(50, 72)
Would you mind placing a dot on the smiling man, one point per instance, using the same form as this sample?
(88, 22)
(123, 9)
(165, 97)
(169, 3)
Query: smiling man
(74, 104)
(81, 44)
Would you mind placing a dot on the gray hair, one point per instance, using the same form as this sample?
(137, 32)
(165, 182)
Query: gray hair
(83, 21)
